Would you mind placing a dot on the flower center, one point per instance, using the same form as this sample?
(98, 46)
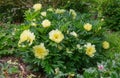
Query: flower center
(89, 49)
(56, 36)
(40, 50)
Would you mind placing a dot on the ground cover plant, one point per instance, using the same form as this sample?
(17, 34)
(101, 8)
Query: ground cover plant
(8, 39)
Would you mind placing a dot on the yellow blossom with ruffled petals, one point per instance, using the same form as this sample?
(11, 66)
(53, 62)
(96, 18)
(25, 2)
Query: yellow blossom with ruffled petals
(87, 26)
(73, 33)
(56, 36)
(60, 11)
(46, 23)
(106, 45)
(43, 14)
(37, 6)
(40, 51)
(74, 14)
(90, 49)
(26, 35)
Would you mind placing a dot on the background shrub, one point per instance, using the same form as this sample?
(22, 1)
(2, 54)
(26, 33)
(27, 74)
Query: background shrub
(110, 10)
(13, 11)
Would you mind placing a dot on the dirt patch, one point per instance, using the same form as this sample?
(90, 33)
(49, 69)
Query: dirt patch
(12, 67)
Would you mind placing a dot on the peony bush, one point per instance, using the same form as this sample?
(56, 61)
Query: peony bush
(59, 41)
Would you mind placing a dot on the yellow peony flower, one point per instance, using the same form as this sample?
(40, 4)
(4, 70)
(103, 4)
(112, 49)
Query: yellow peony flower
(102, 19)
(71, 75)
(33, 24)
(90, 49)
(57, 70)
(34, 20)
(73, 13)
(26, 35)
(50, 9)
(43, 14)
(59, 11)
(87, 26)
(74, 34)
(37, 6)
(79, 46)
(56, 36)
(40, 51)
(106, 45)
(46, 23)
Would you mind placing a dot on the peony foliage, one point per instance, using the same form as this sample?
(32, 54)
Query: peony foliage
(60, 41)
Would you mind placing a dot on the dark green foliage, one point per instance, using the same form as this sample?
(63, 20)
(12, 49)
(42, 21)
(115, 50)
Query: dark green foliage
(110, 10)
(13, 10)
(78, 5)
(11, 14)
(8, 40)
